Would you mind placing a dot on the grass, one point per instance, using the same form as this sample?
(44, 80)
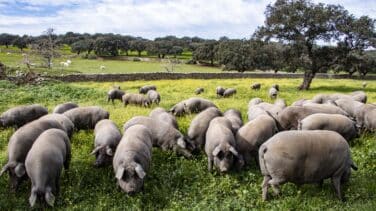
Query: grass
(174, 182)
(92, 66)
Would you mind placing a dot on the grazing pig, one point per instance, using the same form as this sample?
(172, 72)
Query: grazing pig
(107, 137)
(197, 104)
(273, 92)
(229, 92)
(115, 94)
(350, 106)
(132, 158)
(330, 108)
(199, 90)
(290, 116)
(359, 96)
(145, 89)
(165, 136)
(220, 145)
(178, 109)
(333, 122)
(153, 97)
(63, 120)
(235, 118)
(301, 102)
(162, 115)
(220, 90)
(19, 145)
(199, 125)
(44, 162)
(20, 115)
(86, 117)
(61, 108)
(256, 86)
(136, 99)
(275, 86)
(366, 117)
(257, 107)
(305, 157)
(250, 137)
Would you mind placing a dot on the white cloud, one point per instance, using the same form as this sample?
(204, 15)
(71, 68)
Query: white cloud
(209, 19)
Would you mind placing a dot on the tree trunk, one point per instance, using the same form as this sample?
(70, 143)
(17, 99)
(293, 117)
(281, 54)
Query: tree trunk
(139, 53)
(126, 53)
(211, 62)
(308, 77)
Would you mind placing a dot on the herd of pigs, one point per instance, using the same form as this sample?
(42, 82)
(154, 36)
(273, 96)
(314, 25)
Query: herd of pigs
(306, 142)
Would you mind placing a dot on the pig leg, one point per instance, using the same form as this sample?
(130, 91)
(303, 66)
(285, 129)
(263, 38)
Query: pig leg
(337, 186)
(210, 163)
(265, 187)
(275, 185)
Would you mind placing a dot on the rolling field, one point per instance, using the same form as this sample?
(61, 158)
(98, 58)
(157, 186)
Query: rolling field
(174, 182)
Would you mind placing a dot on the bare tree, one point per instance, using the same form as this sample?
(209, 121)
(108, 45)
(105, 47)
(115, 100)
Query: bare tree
(47, 46)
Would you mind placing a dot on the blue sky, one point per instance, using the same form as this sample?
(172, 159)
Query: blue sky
(147, 18)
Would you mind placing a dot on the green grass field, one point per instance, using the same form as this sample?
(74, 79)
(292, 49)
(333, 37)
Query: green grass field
(92, 66)
(173, 182)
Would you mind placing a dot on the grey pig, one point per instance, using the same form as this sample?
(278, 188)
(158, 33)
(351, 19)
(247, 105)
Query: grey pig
(107, 137)
(20, 115)
(305, 157)
(256, 86)
(229, 92)
(199, 90)
(19, 145)
(162, 115)
(219, 91)
(115, 94)
(136, 99)
(273, 92)
(165, 136)
(61, 108)
(132, 158)
(220, 145)
(235, 118)
(333, 122)
(63, 120)
(154, 96)
(86, 117)
(199, 125)
(146, 88)
(44, 162)
(191, 105)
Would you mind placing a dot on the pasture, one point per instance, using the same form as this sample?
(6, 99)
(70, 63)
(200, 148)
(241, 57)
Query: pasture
(174, 182)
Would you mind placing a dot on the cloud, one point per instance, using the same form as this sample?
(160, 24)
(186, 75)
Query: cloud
(146, 18)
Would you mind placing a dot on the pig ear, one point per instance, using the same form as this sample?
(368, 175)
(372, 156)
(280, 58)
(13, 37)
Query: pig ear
(109, 151)
(181, 143)
(233, 151)
(216, 151)
(140, 171)
(20, 170)
(32, 199)
(49, 197)
(96, 150)
(119, 172)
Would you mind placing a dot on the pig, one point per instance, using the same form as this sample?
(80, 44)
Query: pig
(63, 120)
(107, 138)
(219, 91)
(19, 145)
(327, 107)
(229, 92)
(115, 94)
(145, 89)
(235, 118)
(289, 117)
(44, 162)
(365, 117)
(132, 158)
(136, 99)
(86, 117)
(250, 137)
(273, 93)
(257, 107)
(360, 96)
(256, 86)
(301, 102)
(61, 108)
(199, 90)
(350, 106)
(333, 122)
(20, 115)
(199, 125)
(191, 105)
(254, 101)
(305, 157)
(153, 96)
(357, 96)
(220, 145)
(164, 136)
(162, 115)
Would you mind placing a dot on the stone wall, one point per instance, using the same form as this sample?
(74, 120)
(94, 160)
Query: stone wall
(175, 76)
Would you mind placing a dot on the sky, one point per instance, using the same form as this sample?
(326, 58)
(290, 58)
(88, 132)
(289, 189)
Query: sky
(209, 19)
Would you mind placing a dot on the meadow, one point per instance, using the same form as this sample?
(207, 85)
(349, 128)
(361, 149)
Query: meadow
(173, 182)
(120, 64)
